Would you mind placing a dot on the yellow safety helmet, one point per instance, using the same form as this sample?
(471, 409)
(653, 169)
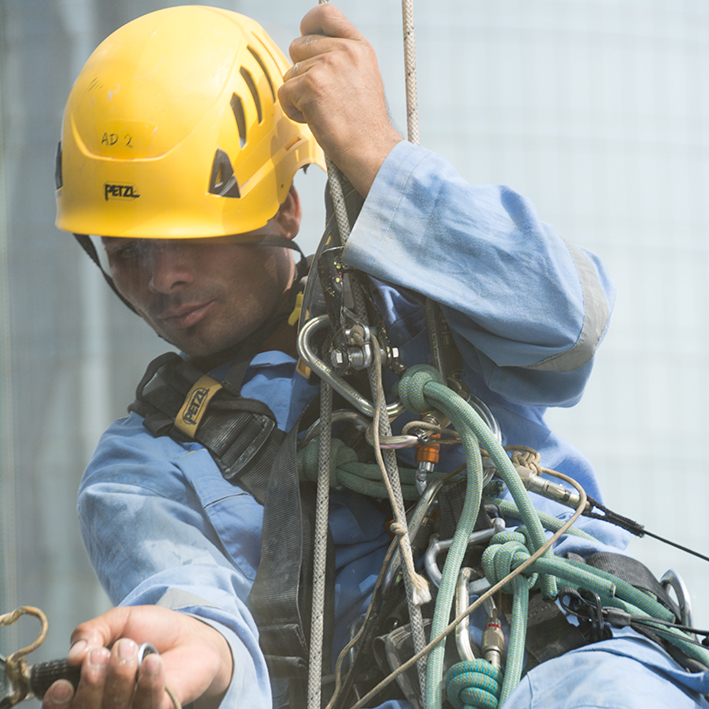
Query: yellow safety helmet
(173, 129)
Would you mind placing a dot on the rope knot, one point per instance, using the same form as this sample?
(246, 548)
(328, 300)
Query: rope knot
(473, 684)
(506, 551)
(412, 385)
(398, 528)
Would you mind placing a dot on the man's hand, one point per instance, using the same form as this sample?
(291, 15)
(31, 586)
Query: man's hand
(335, 87)
(194, 660)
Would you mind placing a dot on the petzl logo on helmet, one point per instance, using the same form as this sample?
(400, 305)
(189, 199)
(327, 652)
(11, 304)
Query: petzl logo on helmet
(119, 191)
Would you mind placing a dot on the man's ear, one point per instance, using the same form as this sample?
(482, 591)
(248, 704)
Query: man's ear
(289, 214)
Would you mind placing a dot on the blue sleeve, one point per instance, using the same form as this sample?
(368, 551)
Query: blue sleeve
(527, 307)
(162, 527)
(627, 672)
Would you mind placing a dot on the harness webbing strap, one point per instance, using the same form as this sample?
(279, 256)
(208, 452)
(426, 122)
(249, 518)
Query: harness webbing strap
(549, 633)
(280, 598)
(635, 573)
(242, 438)
(176, 400)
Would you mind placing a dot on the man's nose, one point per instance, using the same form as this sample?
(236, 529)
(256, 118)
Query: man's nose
(169, 266)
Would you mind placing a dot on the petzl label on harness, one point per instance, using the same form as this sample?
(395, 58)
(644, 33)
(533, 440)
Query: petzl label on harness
(195, 405)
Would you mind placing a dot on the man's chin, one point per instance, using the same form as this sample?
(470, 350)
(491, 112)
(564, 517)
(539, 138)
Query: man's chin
(207, 353)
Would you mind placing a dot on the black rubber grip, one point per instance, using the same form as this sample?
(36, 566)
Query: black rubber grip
(44, 674)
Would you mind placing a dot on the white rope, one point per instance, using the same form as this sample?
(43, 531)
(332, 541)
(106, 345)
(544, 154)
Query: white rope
(322, 508)
(412, 128)
(412, 109)
(416, 587)
(338, 200)
(417, 591)
(320, 549)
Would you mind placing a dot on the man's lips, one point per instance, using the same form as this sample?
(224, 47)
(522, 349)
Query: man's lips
(185, 316)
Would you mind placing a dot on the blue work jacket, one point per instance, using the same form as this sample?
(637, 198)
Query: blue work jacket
(527, 309)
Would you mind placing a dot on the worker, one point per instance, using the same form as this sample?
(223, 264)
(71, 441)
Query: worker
(181, 139)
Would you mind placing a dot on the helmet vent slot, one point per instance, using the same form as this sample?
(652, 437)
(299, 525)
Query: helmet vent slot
(58, 167)
(254, 91)
(222, 181)
(264, 70)
(238, 109)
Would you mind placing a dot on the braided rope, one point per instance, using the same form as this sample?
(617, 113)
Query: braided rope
(320, 550)
(473, 684)
(364, 701)
(416, 587)
(417, 591)
(412, 111)
(323, 500)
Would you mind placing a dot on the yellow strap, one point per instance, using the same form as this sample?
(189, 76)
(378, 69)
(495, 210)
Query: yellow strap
(195, 405)
(295, 315)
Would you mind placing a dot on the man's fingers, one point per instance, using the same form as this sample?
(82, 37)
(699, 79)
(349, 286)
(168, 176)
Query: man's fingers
(121, 675)
(328, 20)
(150, 690)
(314, 45)
(90, 691)
(58, 695)
(293, 95)
(102, 631)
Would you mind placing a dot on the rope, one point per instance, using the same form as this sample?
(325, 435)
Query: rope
(512, 555)
(322, 505)
(459, 544)
(417, 591)
(320, 549)
(473, 684)
(481, 599)
(509, 509)
(338, 198)
(16, 663)
(420, 389)
(412, 111)
(416, 586)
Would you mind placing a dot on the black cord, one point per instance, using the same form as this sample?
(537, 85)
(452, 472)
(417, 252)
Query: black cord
(651, 623)
(633, 527)
(669, 624)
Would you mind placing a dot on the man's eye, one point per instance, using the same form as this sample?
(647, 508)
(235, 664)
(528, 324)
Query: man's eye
(127, 251)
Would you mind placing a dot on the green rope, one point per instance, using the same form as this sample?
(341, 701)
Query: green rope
(347, 471)
(472, 684)
(420, 390)
(411, 387)
(501, 558)
(549, 522)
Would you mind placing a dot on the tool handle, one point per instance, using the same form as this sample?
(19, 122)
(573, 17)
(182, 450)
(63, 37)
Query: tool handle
(44, 674)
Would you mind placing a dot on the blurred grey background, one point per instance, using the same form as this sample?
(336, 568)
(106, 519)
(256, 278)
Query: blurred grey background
(596, 109)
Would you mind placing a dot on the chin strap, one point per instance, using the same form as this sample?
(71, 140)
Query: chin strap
(88, 246)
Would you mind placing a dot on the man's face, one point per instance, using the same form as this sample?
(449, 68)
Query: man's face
(201, 295)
